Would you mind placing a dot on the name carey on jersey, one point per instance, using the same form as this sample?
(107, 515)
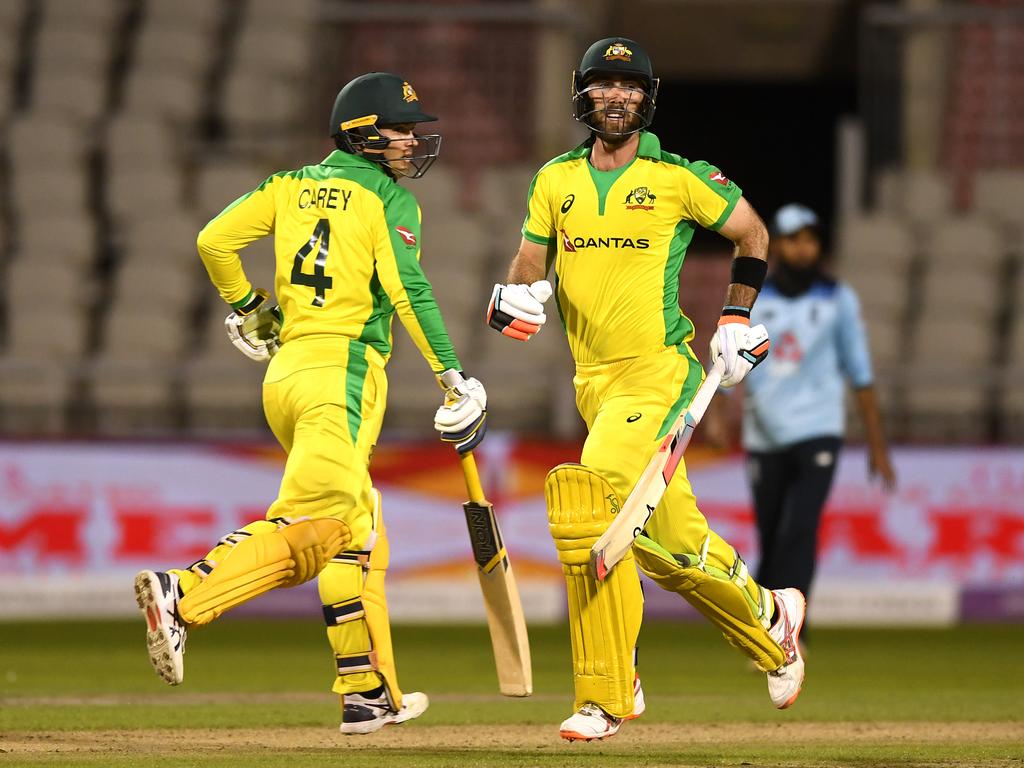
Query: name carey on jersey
(574, 244)
(325, 197)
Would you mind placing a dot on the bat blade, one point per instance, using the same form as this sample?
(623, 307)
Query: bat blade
(505, 618)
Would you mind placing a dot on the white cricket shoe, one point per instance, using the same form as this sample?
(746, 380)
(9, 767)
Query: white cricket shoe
(589, 723)
(156, 593)
(639, 705)
(784, 683)
(365, 714)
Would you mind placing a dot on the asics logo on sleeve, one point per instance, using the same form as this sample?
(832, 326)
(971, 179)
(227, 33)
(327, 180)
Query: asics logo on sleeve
(569, 200)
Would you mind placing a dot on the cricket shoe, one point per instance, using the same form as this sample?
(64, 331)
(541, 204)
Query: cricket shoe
(784, 683)
(639, 705)
(362, 713)
(590, 723)
(157, 594)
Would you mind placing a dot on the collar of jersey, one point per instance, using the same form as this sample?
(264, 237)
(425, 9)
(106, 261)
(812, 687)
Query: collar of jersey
(339, 159)
(649, 147)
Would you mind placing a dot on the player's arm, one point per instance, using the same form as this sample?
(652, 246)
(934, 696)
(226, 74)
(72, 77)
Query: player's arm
(461, 419)
(740, 346)
(516, 307)
(247, 219)
(855, 360)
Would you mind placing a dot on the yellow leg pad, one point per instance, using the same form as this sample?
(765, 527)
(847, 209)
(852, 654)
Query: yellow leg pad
(195, 574)
(719, 595)
(604, 617)
(286, 557)
(356, 611)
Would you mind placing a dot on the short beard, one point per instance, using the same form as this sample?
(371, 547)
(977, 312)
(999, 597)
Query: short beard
(632, 123)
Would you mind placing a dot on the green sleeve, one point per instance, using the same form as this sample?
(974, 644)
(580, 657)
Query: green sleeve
(407, 287)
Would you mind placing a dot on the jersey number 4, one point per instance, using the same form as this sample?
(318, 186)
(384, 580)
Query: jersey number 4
(319, 242)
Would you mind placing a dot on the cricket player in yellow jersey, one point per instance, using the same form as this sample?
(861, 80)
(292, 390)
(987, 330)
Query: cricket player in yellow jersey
(614, 217)
(346, 238)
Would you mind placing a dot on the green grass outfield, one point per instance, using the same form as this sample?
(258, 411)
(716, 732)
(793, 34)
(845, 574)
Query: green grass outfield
(255, 693)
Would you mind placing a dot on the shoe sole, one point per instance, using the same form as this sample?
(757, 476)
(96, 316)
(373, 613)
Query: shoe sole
(571, 736)
(796, 636)
(158, 641)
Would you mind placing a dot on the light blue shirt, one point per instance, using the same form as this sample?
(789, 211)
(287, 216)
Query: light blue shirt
(818, 344)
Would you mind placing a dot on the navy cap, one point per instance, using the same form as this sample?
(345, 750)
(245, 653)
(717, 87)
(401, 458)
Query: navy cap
(790, 219)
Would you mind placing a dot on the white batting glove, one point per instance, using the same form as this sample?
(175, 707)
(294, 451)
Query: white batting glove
(462, 419)
(741, 349)
(255, 328)
(518, 310)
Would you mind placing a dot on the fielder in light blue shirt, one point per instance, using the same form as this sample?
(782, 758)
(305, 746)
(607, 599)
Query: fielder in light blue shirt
(793, 414)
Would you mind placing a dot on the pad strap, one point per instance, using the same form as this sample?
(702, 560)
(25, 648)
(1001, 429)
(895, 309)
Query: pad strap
(359, 662)
(339, 613)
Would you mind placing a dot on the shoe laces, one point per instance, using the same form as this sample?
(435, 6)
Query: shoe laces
(595, 711)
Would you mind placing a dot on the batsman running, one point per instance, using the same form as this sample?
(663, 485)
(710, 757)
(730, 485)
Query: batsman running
(615, 216)
(346, 238)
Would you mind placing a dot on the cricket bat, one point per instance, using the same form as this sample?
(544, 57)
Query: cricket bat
(646, 494)
(501, 596)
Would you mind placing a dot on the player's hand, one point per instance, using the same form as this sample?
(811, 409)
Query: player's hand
(255, 328)
(880, 466)
(518, 310)
(462, 419)
(741, 349)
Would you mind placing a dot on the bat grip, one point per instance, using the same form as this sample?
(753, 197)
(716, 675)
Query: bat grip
(472, 475)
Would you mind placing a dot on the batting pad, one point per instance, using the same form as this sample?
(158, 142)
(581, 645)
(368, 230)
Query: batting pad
(604, 617)
(721, 596)
(286, 557)
(356, 611)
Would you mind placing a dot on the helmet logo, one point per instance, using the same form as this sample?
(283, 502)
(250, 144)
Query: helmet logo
(618, 52)
(408, 93)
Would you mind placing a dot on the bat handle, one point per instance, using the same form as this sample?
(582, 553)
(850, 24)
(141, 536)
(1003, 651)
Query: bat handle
(472, 475)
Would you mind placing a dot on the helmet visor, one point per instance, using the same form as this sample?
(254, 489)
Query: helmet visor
(614, 110)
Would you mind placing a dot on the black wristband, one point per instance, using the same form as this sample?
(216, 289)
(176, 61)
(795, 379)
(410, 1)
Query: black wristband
(749, 270)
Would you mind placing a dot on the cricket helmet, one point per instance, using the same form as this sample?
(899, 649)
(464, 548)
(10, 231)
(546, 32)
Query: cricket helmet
(614, 56)
(373, 101)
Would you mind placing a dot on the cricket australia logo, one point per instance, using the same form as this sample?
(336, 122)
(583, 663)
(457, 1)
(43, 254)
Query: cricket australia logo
(618, 52)
(640, 198)
(408, 93)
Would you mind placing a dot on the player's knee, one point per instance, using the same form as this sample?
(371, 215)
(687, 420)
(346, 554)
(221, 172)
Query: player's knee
(312, 544)
(581, 504)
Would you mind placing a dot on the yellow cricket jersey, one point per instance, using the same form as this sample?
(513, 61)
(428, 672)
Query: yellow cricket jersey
(347, 245)
(619, 238)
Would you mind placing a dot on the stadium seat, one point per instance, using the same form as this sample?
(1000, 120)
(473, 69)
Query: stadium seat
(223, 391)
(198, 14)
(919, 195)
(64, 238)
(880, 288)
(165, 93)
(274, 51)
(70, 95)
(36, 142)
(160, 286)
(34, 395)
(965, 242)
(280, 105)
(32, 282)
(72, 49)
(54, 332)
(1000, 195)
(96, 16)
(168, 237)
(874, 239)
(270, 12)
(972, 294)
(48, 190)
(138, 189)
(221, 183)
(175, 43)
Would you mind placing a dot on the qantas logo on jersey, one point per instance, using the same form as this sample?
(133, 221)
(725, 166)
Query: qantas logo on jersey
(574, 244)
(719, 178)
(407, 236)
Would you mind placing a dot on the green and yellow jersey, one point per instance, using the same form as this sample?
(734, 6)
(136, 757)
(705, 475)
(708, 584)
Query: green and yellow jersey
(619, 238)
(347, 245)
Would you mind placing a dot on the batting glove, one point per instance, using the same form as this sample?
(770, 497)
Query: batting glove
(740, 347)
(255, 328)
(518, 310)
(462, 419)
